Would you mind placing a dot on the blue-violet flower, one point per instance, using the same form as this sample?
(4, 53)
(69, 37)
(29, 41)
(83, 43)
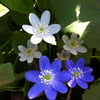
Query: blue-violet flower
(79, 74)
(48, 80)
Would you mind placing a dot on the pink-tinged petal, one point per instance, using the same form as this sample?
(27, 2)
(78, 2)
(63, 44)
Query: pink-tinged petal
(82, 84)
(56, 65)
(73, 36)
(62, 76)
(37, 54)
(30, 45)
(33, 19)
(88, 70)
(72, 50)
(45, 17)
(87, 77)
(70, 65)
(81, 49)
(22, 57)
(54, 28)
(58, 86)
(80, 63)
(28, 28)
(35, 90)
(50, 92)
(44, 63)
(36, 39)
(49, 38)
(29, 59)
(33, 76)
(21, 48)
(81, 42)
(65, 39)
(72, 83)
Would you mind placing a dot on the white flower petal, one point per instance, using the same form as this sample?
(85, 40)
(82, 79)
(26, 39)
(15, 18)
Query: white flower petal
(49, 38)
(45, 18)
(54, 28)
(65, 39)
(30, 59)
(81, 49)
(22, 57)
(21, 48)
(67, 47)
(28, 28)
(81, 42)
(73, 36)
(30, 45)
(33, 19)
(38, 54)
(36, 39)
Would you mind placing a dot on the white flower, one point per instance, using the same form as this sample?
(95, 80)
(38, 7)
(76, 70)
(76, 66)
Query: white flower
(40, 28)
(28, 53)
(74, 44)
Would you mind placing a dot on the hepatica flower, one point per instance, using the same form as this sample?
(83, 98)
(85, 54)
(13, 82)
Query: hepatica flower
(48, 80)
(28, 53)
(41, 29)
(79, 74)
(64, 55)
(74, 44)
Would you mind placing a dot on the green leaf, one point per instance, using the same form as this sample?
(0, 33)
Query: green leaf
(67, 13)
(3, 10)
(19, 38)
(6, 74)
(93, 93)
(77, 27)
(23, 6)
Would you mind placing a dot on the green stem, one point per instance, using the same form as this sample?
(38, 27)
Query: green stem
(49, 51)
(95, 56)
(69, 93)
(35, 64)
(15, 62)
(5, 44)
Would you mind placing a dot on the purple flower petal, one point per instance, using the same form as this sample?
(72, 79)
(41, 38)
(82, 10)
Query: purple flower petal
(72, 83)
(44, 63)
(56, 66)
(50, 92)
(33, 76)
(80, 63)
(35, 90)
(82, 84)
(87, 78)
(87, 70)
(70, 65)
(62, 76)
(60, 87)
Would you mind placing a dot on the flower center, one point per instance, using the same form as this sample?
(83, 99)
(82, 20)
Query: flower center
(41, 28)
(46, 77)
(29, 52)
(74, 43)
(76, 74)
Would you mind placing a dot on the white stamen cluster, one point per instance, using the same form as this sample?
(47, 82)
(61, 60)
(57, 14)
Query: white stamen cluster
(43, 79)
(76, 72)
(41, 28)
